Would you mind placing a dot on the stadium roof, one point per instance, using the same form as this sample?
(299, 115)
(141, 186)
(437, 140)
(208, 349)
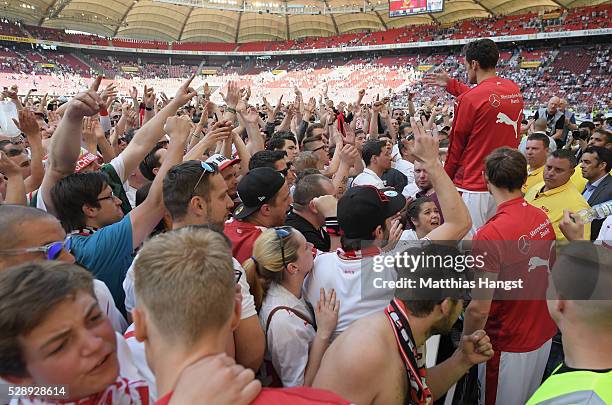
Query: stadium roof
(160, 20)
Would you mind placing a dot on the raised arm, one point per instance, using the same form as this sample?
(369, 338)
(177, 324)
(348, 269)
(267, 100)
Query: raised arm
(28, 125)
(66, 140)
(15, 187)
(457, 221)
(147, 215)
(147, 136)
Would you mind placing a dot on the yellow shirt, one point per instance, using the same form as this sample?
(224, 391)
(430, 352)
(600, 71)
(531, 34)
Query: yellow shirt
(533, 178)
(577, 179)
(554, 201)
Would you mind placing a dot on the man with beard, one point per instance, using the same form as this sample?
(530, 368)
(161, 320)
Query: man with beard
(195, 194)
(390, 344)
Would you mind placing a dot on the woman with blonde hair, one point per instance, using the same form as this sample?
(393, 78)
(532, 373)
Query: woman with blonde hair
(296, 337)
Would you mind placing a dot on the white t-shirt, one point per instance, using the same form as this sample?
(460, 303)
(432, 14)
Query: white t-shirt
(406, 168)
(248, 302)
(409, 234)
(411, 190)
(288, 337)
(331, 270)
(107, 304)
(368, 177)
(139, 359)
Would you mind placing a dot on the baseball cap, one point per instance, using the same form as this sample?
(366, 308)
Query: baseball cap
(362, 208)
(221, 161)
(256, 188)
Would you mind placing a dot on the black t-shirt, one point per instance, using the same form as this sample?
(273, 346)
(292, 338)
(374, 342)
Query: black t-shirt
(318, 237)
(396, 179)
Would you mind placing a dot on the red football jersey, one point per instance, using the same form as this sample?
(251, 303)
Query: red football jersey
(243, 236)
(518, 243)
(487, 117)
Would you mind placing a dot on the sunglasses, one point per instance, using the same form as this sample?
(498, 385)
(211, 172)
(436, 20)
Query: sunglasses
(282, 232)
(122, 140)
(207, 169)
(51, 250)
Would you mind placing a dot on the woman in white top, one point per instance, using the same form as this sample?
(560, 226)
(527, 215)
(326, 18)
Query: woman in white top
(423, 217)
(296, 338)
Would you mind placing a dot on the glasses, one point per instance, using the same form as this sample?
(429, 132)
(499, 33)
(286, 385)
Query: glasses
(282, 232)
(51, 250)
(207, 168)
(319, 148)
(110, 197)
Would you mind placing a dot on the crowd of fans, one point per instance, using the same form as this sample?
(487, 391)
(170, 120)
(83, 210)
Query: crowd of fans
(578, 18)
(579, 73)
(171, 248)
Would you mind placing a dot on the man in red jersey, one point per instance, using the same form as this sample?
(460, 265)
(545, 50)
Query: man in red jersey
(487, 117)
(516, 244)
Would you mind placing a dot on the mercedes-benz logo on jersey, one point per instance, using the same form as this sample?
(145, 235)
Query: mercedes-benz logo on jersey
(494, 100)
(524, 244)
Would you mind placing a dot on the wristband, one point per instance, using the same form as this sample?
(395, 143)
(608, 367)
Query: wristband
(103, 112)
(230, 109)
(149, 108)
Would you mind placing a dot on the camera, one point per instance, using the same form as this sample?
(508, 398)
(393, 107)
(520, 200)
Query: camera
(581, 134)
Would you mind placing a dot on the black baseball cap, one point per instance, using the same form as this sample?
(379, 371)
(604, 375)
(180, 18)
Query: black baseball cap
(363, 208)
(257, 188)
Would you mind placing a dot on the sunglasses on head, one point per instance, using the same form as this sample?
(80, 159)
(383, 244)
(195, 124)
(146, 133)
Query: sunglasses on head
(51, 250)
(207, 169)
(282, 232)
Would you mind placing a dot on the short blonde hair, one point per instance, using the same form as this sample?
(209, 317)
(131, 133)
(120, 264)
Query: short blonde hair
(185, 280)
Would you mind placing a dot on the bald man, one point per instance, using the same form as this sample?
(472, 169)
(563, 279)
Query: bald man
(555, 119)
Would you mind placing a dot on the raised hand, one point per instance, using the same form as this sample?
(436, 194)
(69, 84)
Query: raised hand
(134, 93)
(377, 107)
(219, 132)
(149, 96)
(232, 96)
(440, 79)
(85, 104)
(349, 134)
(178, 126)
(8, 167)
(278, 106)
(164, 99)
(311, 106)
(425, 145)
(326, 313)
(361, 93)
(108, 95)
(185, 93)
(27, 123)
